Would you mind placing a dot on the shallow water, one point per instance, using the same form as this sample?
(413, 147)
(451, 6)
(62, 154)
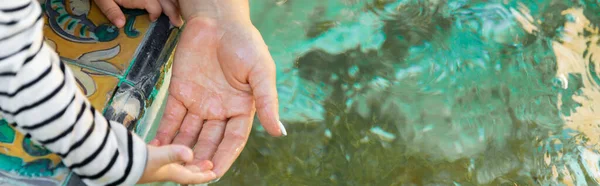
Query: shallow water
(383, 92)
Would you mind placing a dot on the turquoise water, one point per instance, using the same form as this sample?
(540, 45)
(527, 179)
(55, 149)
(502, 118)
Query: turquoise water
(382, 92)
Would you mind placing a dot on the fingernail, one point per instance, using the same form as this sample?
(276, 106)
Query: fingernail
(180, 150)
(206, 165)
(282, 128)
(194, 168)
(213, 181)
(155, 142)
(120, 22)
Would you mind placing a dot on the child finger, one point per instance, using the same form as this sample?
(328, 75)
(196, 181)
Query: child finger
(183, 175)
(200, 166)
(171, 10)
(112, 11)
(164, 155)
(154, 9)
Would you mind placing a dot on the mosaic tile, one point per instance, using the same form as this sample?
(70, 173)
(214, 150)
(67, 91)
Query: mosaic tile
(99, 56)
(80, 25)
(97, 86)
(127, 106)
(132, 98)
(25, 163)
(154, 53)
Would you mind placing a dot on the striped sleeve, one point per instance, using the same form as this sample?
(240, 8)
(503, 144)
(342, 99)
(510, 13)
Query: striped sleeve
(39, 93)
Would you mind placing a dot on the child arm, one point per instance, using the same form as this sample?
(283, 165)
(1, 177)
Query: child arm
(39, 93)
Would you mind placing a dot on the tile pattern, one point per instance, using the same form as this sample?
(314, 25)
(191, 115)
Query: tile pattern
(98, 87)
(19, 155)
(92, 35)
(144, 78)
(119, 70)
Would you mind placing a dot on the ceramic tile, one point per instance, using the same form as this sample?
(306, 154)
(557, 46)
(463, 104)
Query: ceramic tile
(127, 106)
(130, 101)
(99, 56)
(80, 32)
(147, 75)
(156, 52)
(25, 163)
(98, 87)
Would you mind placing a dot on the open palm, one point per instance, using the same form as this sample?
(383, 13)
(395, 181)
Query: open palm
(222, 74)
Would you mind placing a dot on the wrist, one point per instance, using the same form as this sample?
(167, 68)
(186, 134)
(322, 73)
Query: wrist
(222, 11)
(220, 20)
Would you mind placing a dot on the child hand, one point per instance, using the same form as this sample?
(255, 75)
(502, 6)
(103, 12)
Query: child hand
(165, 164)
(113, 12)
(171, 9)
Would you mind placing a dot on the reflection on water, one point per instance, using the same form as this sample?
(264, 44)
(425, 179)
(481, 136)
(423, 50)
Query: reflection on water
(384, 92)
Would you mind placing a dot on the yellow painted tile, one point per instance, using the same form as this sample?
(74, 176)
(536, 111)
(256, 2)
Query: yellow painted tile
(96, 86)
(25, 163)
(61, 36)
(29, 155)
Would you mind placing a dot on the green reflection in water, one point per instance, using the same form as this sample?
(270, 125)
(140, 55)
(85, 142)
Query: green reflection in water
(460, 92)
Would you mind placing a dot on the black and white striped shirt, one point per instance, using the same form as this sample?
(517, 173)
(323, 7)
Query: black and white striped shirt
(40, 95)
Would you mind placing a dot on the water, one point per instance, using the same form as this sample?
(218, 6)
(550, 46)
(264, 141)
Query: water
(383, 92)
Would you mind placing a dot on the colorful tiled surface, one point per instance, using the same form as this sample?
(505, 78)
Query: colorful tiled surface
(97, 86)
(85, 35)
(119, 70)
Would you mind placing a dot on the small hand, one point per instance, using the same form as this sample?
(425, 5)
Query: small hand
(113, 12)
(164, 164)
(222, 74)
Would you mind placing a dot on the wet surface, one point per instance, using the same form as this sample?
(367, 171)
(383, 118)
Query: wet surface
(383, 92)
(430, 93)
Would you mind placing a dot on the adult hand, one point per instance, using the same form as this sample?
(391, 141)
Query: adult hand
(222, 74)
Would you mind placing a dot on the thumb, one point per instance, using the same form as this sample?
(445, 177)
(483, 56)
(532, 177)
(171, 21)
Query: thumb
(262, 80)
(165, 164)
(112, 11)
(160, 156)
